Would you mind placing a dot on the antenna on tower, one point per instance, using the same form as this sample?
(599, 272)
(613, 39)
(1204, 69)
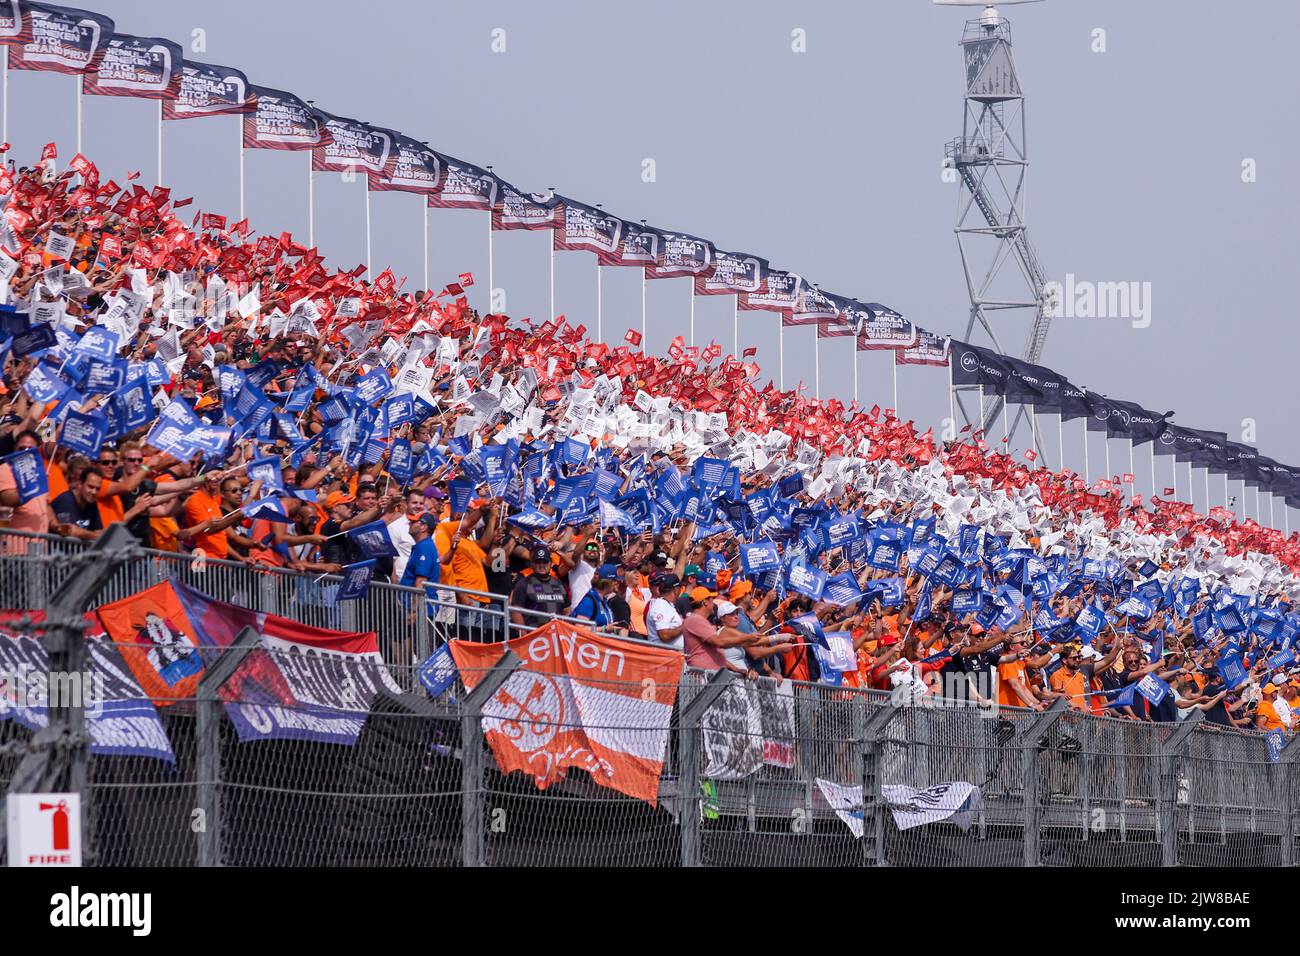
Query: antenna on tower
(991, 161)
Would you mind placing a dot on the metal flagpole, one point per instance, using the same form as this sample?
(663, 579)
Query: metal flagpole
(643, 301)
(1225, 489)
(780, 348)
(239, 127)
(1131, 469)
(1033, 427)
(425, 226)
(735, 326)
(365, 185)
(1191, 488)
(817, 362)
(897, 414)
(77, 78)
(856, 371)
(1153, 470)
(979, 423)
(600, 305)
(1272, 518)
(311, 202)
(4, 96)
(952, 395)
(1087, 468)
(692, 311)
(1006, 426)
(1174, 467)
(160, 168)
(1060, 441)
(1207, 489)
(1259, 515)
(552, 313)
(1105, 443)
(491, 274)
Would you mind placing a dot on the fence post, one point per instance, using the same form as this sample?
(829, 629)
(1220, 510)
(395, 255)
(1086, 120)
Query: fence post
(1167, 798)
(1029, 737)
(58, 755)
(873, 798)
(688, 781)
(1286, 762)
(471, 757)
(207, 743)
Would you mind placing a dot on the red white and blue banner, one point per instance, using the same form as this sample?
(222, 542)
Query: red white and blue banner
(299, 683)
(354, 146)
(733, 273)
(885, 329)
(61, 39)
(15, 24)
(209, 90)
(280, 120)
(583, 228)
(465, 186)
(516, 209)
(415, 169)
(681, 255)
(779, 294)
(640, 247)
(930, 349)
(147, 67)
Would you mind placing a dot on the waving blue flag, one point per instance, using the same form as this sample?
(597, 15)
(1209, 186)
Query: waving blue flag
(759, 556)
(373, 541)
(29, 474)
(356, 581)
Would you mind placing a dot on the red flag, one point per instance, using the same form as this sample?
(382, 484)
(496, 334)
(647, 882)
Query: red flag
(50, 152)
(1031, 455)
(466, 279)
(1167, 492)
(1127, 478)
(633, 337)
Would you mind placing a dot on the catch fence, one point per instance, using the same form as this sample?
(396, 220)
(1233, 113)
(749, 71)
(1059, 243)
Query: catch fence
(754, 772)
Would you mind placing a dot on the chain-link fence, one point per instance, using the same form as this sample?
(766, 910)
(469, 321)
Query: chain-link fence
(510, 767)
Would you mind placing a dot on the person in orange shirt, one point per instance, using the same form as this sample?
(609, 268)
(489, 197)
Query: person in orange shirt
(1014, 689)
(206, 519)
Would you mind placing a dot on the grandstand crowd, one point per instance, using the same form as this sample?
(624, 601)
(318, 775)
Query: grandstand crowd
(242, 401)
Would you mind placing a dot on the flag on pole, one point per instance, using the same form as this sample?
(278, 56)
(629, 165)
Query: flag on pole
(641, 245)
(930, 349)
(733, 273)
(15, 23)
(465, 186)
(62, 39)
(681, 255)
(209, 90)
(779, 294)
(280, 120)
(415, 169)
(147, 67)
(885, 329)
(353, 146)
(583, 228)
(516, 209)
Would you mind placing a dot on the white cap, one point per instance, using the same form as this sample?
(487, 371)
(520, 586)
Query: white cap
(724, 608)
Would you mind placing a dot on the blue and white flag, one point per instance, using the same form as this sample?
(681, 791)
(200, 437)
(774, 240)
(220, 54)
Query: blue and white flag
(99, 342)
(373, 541)
(29, 474)
(84, 433)
(759, 556)
(805, 580)
(438, 671)
(356, 581)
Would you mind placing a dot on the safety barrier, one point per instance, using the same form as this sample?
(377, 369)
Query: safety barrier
(754, 773)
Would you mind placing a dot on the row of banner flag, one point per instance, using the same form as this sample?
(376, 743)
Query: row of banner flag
(45, 37)
(1045, 390)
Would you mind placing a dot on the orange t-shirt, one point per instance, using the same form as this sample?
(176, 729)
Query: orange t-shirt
(1015, 670)
(1074, 687)
(58, 482)
(201, 507)
(110, 506)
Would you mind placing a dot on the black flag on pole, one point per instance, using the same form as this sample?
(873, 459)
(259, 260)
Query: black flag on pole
(354, 145)
(930, 349)
(681, 255)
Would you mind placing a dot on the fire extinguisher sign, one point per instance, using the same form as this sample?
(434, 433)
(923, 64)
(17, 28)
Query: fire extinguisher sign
(44, 829)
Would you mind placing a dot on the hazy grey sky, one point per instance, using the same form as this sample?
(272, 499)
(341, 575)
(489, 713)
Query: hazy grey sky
(827, 162)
